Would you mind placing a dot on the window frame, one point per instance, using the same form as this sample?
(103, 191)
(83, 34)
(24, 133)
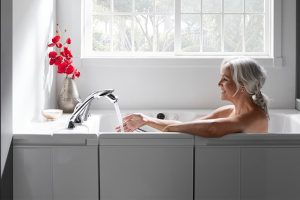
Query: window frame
(269, 38)
(76, 22)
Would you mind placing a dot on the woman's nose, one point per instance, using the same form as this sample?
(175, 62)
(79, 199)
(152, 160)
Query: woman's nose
(219, 83)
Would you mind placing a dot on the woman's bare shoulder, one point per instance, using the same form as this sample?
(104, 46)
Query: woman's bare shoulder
(220, 112)
(225, 108)
(255, 121)
(224, 111)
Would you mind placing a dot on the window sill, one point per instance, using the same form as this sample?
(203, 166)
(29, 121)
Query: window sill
(176, 61)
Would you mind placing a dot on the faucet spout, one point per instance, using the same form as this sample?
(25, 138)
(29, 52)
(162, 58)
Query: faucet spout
(112, 98)
(81, 111)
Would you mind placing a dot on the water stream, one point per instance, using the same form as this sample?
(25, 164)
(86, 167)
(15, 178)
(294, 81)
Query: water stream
(118, 112)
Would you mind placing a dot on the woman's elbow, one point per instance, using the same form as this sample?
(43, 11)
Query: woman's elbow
(215, 130)
(169, 128)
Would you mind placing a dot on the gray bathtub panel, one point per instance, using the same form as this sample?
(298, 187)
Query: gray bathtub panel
(136, 173)
(145, 139)
(270, 173)
(217, 173)
(251, 139)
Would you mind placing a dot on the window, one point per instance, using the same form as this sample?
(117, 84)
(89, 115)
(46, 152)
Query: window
(178, 27)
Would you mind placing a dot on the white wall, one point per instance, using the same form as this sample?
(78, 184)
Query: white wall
(6, 80)
(181, 83)
(33, 78)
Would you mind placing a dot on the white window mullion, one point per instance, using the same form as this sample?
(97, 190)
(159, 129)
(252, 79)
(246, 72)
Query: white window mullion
(154, 46)
(177, 40)
(268, 26)
(222, 27)
(112, 24)
(244, 28)
(133, 26)
(88, 28)
(201, 27)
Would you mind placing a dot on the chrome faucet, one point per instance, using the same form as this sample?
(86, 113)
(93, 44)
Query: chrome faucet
(81, 111)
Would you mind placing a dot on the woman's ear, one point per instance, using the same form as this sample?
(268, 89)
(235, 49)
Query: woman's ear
(243, 89)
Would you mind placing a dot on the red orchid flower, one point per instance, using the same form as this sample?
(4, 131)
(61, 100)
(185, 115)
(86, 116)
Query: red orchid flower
(58, 45)
(67, 52)
(69, 69)
(52, 54)
(52, 61)
(56, 39)
(68, 41)
(51, 45)
(69, 61)
(76, 73)
(58, 60)
(61, 68)
(62, 56)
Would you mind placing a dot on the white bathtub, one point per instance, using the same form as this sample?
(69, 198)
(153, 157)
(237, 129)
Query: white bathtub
(238, 166)
(284, 121)
(281, 121)
(284, 128)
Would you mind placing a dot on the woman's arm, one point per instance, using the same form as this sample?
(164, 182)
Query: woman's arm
(160, 124)
(210, 127)
(136, 120)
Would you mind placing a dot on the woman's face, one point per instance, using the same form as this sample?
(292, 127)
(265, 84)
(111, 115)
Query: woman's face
(226, 84)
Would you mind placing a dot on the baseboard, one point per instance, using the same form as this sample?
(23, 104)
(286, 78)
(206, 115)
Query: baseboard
(7, 177)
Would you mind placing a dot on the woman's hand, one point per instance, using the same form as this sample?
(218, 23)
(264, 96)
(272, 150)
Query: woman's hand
(133, 122)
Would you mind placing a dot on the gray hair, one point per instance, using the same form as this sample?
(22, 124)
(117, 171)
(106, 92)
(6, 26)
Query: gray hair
(246, 72)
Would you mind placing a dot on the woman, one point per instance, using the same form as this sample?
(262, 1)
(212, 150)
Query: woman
(241, 82)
